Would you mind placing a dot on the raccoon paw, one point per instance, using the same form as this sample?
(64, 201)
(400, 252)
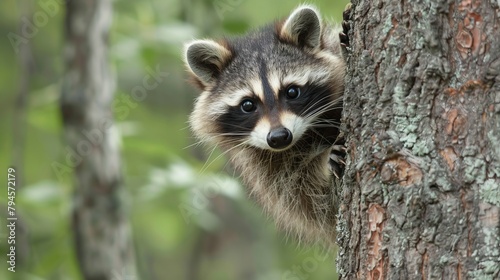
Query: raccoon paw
(336, 161)
(346, 26)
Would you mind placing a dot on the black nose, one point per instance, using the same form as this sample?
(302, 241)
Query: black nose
(279, 138)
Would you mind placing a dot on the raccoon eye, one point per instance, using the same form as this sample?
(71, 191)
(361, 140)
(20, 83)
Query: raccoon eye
(248, 106)
(293, 92)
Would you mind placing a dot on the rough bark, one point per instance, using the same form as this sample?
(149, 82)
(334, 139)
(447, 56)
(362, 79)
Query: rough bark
(101, 231)
(421, 194)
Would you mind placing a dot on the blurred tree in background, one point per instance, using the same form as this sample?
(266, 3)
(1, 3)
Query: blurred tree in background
(190, 218)
(99, 223)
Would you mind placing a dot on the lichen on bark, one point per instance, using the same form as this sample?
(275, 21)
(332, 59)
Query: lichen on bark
(422, 119)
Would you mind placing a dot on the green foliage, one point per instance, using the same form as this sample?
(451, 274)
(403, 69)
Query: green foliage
(187, 212)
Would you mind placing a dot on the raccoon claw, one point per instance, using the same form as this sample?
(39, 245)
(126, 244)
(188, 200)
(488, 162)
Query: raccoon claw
(346, 26)
(336, 160)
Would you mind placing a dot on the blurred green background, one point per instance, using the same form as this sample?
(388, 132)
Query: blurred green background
(189, 215)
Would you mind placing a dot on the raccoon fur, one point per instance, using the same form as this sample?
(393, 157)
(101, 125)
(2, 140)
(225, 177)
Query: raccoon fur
(272, 100)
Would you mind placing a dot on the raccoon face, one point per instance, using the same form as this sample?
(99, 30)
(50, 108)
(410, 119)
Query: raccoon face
(270, 88)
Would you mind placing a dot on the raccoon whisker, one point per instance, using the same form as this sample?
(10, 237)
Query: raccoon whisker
(237, 154)
(197, 143)
(205, 167)
(310, 104)
(329, 103)
(234, 134)
(215, 138)
(325, 124)
(322, 121)
(328, 106)
(319, 134)
(232, 125)
(201, 141)
(322, 109)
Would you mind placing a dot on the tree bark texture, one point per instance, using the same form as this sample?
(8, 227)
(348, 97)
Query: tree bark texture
(101, 231)
(421, 193)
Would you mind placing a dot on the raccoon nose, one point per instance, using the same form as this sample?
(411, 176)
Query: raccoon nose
(279, 138)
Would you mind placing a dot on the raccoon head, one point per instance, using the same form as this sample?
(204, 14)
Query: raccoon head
(270, 88)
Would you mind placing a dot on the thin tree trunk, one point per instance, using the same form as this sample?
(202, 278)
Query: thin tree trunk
(102, 233)
(421, 194)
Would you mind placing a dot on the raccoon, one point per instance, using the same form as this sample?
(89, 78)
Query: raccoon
(272, 100)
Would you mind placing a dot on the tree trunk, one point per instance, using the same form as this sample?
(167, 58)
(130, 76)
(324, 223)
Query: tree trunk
(101, 230)
(421, 194)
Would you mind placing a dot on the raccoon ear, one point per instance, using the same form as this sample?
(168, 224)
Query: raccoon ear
(302, 27)
(206, 59)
